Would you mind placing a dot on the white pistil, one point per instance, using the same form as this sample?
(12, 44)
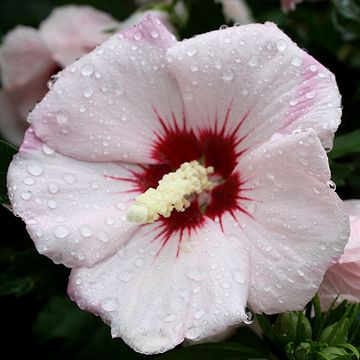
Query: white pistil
(171, 193)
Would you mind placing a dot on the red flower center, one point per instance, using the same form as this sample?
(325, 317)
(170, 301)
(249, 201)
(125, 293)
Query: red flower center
(215, 147)
(212, 147)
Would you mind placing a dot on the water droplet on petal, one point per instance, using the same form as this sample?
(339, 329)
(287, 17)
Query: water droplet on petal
(331, 185)
(196, 275)
(139, 262)
(281, 44)
(296, 61)
(102, 236)
(253, 62)
(88, 92)
(70, 179)
(27, 195)
(126, 276)
(61, 231)
(226, 285)
(227, 75)
(35, 168)
(238, 276)
(87, 70)
(194, 68)
(53, 188)
(52, 81)
(52, 204)
(85, 231)
(199, 314)
(62, 117)
(191, 51)
(250, 317)
(137, 36)
(109, 304)
(29, 181)
(47, 150)
(310, 94)
(154, 34)
(78, 281)
(109, 221)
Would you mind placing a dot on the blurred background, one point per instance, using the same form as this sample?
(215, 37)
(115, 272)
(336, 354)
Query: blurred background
(37, 318)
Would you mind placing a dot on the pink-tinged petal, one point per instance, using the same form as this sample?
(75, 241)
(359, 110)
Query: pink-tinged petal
(352, 249)
(256, 81)
(289, 5)
(23, 57)
(154, 297)
(342, 280)
(72, 31)
(297, 226)
(74, 211)
(137, 16)
(110, 105)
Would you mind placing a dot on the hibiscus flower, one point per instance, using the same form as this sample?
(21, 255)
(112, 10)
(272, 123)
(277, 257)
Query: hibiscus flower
(342, 280)
(241, 115)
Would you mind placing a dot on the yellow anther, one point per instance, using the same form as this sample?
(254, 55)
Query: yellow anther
(171, 193)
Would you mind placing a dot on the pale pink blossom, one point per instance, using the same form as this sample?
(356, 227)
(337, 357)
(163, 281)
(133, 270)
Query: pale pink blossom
(245, 100)
(289, 5)
(342, 280)
(29, 57)
(237, 11)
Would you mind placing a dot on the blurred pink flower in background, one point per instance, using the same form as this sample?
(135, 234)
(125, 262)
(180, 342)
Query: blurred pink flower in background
(29, 57)
(245, 100)
(289, 5)
(236, 11)
(343, 278)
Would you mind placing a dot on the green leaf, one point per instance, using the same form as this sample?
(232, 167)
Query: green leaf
(7, 152)
(331, 352)
(60, 318)
(340, 172)
(346, 144)
(81, 335)
(352, 348)
(216, 351)
(27, 271)
(346, 18)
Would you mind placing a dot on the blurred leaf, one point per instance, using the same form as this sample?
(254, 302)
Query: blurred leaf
(332, 352)
(245, 335)
(7, 152)
(346, 144)
(347, 18)
(197, 21)
(292, 327)
(340, 172)
(216, 351)
(61, 318)
(27, 271)
(75, 334)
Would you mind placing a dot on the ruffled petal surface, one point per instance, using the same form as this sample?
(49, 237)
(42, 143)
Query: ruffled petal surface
(295, 224)
(107, 106)
(154, 298)
(342, 281)
(256, 76)
(74, 211)
(72, 31)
